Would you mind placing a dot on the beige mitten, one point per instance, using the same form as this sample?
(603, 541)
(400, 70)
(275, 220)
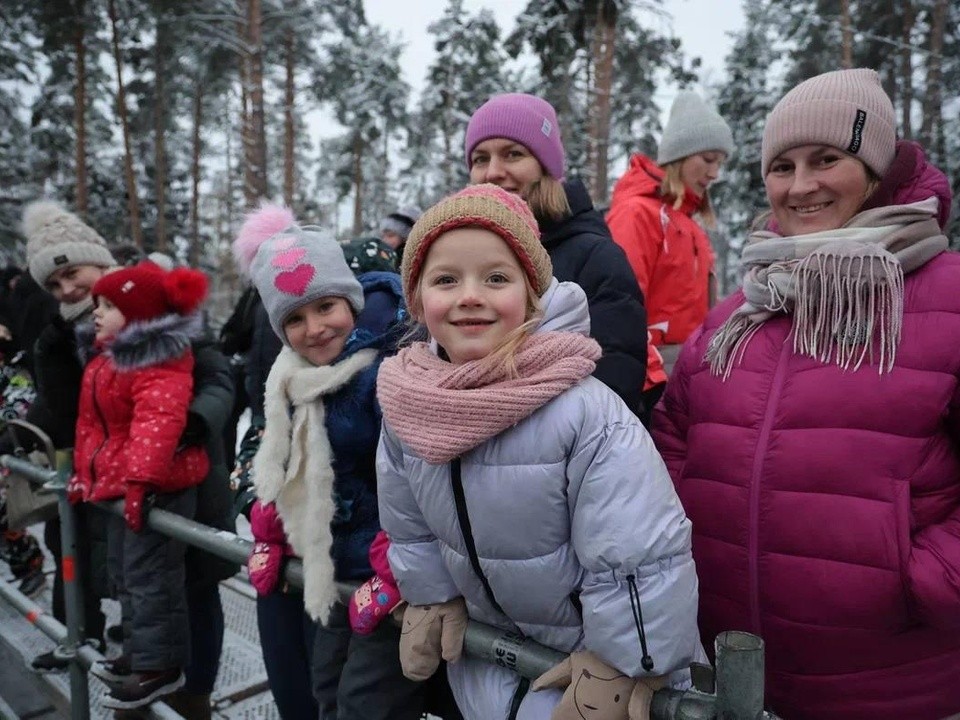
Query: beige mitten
(596, 690)
(430, 632)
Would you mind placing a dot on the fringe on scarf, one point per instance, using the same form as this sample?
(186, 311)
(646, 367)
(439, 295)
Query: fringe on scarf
(847, 305)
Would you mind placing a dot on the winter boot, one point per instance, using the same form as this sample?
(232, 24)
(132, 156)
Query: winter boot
(192, 706)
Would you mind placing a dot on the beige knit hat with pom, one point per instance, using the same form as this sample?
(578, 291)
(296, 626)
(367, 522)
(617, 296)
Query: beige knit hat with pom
(56, 238)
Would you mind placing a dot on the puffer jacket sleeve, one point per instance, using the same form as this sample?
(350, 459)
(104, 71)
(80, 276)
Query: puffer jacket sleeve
(670, 419)
(414, 552)
(934, 569)
(636, 227)
(161, 397)
(628, 527)
(618, 322)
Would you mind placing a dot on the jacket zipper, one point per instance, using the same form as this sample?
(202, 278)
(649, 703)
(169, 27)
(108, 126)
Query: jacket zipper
(103, 425)
(773, 400)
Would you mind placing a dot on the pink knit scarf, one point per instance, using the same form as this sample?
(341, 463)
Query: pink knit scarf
(443, 410)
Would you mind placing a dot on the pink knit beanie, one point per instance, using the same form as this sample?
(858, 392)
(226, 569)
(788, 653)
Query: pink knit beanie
(526, 119)
(485, 206)
(846, 109)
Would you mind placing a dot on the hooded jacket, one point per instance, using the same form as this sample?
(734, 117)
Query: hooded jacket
(581, 251)
(133, 406)
(669, 252)
(826, 505)
(558, 527)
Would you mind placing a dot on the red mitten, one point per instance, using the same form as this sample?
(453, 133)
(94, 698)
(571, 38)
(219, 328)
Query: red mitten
(265, 565)
(371, 603)
(74, 490)
(134, 505)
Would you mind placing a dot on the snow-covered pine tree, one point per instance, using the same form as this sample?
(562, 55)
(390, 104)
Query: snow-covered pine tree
(469, 67)
(744, 100)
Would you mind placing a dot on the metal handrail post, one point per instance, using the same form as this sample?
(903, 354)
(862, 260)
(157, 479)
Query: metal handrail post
(73, 600)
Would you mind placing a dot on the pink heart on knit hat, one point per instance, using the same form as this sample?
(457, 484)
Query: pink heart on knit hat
(294, 282)
(284, 242)
(288, 258)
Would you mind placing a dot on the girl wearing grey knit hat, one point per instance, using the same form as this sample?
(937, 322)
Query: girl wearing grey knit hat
(651, 218)
(812, 424)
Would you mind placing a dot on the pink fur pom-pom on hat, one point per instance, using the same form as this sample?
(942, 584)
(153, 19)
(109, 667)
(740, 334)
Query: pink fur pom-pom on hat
(291, 266)
(259, 227)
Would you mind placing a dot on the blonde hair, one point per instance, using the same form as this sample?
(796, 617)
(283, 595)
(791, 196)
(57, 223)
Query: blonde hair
(673, 188)
(503, 358)
(547, 200)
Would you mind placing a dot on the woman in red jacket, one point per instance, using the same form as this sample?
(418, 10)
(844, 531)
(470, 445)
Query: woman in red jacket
(811, 425)
(651, 218)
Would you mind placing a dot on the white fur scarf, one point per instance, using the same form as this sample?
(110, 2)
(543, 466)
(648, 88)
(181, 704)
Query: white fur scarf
(293, 466)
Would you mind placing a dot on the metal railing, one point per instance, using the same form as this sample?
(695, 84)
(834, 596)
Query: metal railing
(734, 691)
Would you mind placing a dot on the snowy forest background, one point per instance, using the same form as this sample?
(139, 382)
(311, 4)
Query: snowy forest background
(162, 121)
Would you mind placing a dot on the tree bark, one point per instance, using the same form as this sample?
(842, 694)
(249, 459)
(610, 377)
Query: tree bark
(906, 68)
(846, 44)
(605, 36)
(160, 51)
(195, 174)
(132, 205)
(289, 136)
(357, 183)
(80, 111)
(256, 145)
(933, 100)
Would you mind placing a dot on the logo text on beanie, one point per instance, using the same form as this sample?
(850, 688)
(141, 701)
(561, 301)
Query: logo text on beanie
(856, 140)
(128, 286)
(61, 260)
(546, 128)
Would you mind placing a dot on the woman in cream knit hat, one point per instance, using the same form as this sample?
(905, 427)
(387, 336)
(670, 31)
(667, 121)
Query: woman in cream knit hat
(811, 425)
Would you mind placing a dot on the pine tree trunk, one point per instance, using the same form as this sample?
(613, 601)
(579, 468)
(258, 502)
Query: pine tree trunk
(195, 174)
(80, 111)
(357, 184)
(289, 177)
(256, 147)
(933, 99)
(605, 35)
(906, 69)
(132, 204)
(846, 57)
(246, 131)
(160, 51)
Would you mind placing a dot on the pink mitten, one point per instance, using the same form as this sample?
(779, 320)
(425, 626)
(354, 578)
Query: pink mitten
(265, 565)
(371, 603)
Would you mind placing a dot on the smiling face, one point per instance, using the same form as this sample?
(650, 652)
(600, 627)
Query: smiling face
(107, 319)
(73, 284)
(473, 293)
(812, 188)
(699, 171)
(319, 330)
(504, 163)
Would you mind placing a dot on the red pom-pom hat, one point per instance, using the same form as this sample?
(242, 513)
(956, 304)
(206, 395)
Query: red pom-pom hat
(147, 291)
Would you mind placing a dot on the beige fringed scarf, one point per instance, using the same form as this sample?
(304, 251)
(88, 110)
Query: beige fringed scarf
(843, 287)
(293, 466)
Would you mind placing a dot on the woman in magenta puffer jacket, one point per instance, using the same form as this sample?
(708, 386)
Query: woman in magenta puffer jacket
(811, 426)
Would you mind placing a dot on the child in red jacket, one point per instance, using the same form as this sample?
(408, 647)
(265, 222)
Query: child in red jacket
(133, 410)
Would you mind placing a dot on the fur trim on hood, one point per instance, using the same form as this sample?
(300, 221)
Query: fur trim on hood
(145, 343)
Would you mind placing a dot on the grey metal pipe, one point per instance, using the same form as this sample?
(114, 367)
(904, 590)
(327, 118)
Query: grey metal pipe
(739, 676)
(740, 667)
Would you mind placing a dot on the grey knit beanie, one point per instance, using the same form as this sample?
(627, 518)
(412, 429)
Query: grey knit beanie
(401, 221)
(692, 128)
(56, 238)
(293, 265)
(845, 109)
